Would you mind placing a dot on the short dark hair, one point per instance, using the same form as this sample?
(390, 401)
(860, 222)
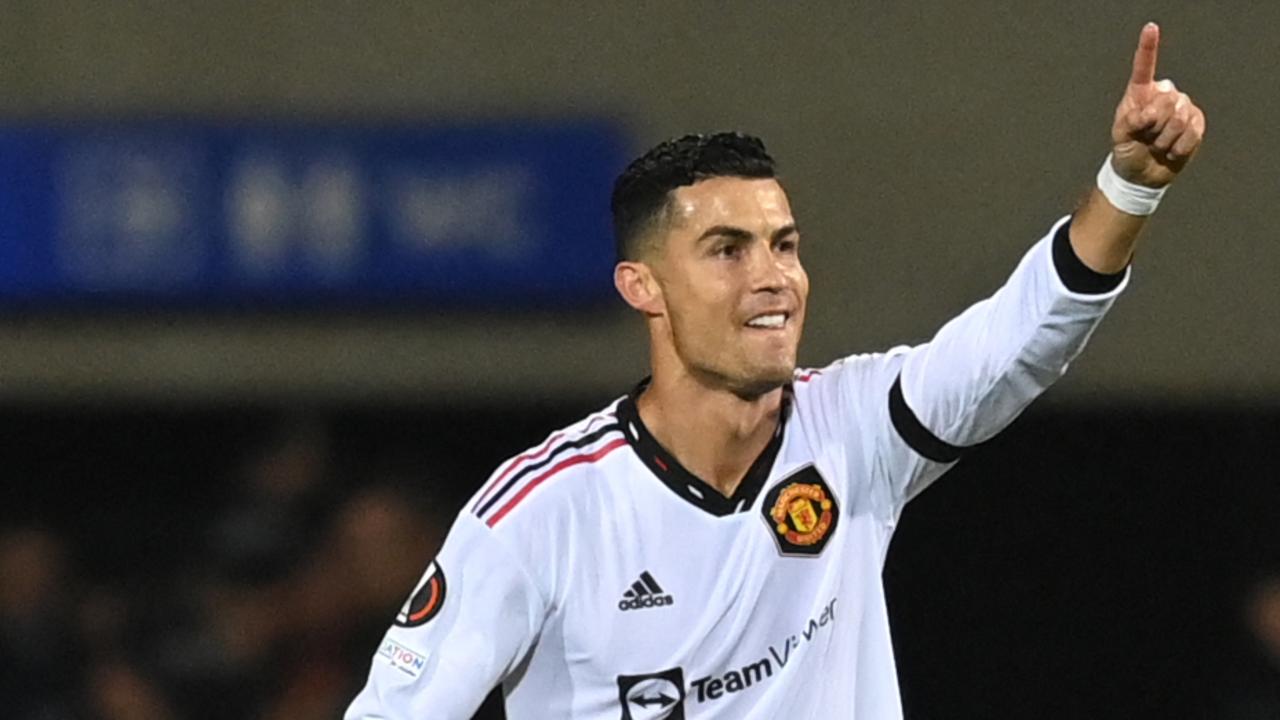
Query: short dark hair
(642, 191)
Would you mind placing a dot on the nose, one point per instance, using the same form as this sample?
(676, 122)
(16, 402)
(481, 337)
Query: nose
(766, 270)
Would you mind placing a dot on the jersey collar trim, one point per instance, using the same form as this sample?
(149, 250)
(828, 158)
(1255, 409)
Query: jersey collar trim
(685, 484)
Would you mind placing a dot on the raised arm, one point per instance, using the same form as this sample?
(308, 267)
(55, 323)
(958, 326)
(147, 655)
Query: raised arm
(1156, 131)
(985, 366)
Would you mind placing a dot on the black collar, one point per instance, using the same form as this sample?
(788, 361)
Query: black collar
(684, 483)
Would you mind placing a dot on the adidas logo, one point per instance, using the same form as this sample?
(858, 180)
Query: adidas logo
(644, 593)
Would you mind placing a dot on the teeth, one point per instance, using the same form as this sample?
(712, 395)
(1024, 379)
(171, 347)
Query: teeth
(776, 320)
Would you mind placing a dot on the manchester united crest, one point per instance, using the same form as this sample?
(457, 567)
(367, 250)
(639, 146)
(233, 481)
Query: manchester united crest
(801, 512)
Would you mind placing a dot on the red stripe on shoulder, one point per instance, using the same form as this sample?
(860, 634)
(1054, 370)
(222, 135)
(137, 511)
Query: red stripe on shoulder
(519, 461)
(563, 464)
(807, 375)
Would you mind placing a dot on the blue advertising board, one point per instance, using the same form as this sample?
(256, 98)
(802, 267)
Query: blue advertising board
(209, 215)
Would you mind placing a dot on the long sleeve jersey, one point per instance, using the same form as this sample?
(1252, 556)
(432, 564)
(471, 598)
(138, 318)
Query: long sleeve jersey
(594, 578)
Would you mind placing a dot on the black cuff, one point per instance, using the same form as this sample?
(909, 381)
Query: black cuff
(914, 433)
(1078, 277)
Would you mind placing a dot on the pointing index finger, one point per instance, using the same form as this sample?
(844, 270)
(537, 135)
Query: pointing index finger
(1144, 58)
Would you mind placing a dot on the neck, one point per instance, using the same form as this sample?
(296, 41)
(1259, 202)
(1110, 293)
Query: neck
(715, 434)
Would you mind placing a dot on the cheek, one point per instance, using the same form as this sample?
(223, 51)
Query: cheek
(702, 299)
(800, 282)
(699, 315)
(701, 326)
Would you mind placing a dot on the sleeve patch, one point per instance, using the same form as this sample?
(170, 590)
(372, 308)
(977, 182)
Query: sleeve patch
(402, 658)
(426, 600)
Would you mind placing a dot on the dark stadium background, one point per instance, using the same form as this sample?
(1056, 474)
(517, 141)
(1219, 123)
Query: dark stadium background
(212, 508)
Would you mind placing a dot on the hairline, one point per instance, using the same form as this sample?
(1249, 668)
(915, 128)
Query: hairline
(645, 240)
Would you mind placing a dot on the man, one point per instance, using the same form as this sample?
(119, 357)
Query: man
(710, 546)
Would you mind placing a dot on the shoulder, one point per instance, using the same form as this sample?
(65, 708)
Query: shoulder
(847, 398)
(850, 377)
(548, 470)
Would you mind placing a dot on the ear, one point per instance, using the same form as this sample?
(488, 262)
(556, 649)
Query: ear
(638, 286)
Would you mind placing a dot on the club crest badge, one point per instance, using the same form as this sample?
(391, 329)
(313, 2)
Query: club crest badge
(801, 513)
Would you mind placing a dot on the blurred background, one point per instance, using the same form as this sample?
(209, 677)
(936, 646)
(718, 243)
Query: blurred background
(281, 282)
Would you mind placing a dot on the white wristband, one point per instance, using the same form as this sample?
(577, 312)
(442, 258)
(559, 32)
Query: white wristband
(1127, 197)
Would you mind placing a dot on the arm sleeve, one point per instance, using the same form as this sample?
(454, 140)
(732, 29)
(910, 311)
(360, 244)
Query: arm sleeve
(473, 617)
(986, 365)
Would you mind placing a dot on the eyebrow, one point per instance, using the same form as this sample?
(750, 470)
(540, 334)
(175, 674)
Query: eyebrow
(737, 233)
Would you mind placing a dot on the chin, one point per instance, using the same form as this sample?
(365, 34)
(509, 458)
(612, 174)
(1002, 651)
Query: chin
(764, 381)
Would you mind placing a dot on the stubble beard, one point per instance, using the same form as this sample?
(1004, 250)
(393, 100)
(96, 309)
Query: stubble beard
(732, 372)
(746, 382)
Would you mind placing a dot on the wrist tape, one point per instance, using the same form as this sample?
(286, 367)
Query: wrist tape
(1127, 197)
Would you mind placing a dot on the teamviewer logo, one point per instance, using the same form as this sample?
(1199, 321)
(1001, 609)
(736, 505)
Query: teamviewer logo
(653, 696)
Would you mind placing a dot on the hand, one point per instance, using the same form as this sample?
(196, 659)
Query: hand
(1157, 129)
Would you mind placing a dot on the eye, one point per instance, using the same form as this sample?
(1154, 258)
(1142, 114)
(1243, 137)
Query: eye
(788, 245)
(727, 251)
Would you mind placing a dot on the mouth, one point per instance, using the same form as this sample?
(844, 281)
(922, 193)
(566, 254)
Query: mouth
(776, 320)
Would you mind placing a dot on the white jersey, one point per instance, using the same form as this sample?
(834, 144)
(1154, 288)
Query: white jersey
(595, 578)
